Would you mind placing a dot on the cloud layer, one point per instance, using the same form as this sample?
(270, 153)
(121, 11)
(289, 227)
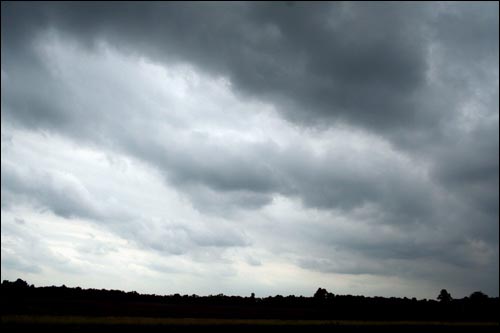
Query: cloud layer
(352, 145)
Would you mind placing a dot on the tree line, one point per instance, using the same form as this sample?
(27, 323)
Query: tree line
(19, 297)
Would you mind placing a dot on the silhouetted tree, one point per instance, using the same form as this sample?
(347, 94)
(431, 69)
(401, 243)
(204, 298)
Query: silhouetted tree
(478, 296)
(320, 293)
(444, 296)
(20, 284)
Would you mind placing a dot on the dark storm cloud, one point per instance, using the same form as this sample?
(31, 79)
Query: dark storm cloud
(216, 174)
(359, 62)
(470, 167)
(363, 57)
(38, 109)
(363, 63)
(468, 29)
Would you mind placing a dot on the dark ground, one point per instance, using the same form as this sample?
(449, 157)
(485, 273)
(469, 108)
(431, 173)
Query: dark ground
(137, 324)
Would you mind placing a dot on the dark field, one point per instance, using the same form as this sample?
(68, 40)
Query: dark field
(27, 323)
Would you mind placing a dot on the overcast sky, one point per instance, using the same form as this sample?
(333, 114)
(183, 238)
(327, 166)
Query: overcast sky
(251, 147)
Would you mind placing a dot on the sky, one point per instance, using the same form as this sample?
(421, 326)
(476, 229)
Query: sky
(244, 147)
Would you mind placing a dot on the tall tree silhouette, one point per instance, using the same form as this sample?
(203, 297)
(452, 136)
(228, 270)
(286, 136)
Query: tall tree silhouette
(444, 296)
(320, 293)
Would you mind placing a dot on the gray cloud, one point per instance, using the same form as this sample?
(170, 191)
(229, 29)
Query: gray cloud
(24, 251)
(177, 238)
(20, 265)
(216, 173)
(416, 83)
(470, 167)
(63, 194)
